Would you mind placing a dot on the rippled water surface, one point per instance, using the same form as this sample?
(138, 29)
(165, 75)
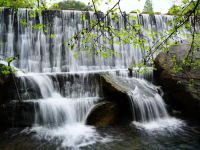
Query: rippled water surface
(165, 134)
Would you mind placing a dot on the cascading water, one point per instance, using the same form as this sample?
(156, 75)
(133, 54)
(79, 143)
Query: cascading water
(62, 112)
(148, 107)
(147, 104)
(41, 41)
(63, 108)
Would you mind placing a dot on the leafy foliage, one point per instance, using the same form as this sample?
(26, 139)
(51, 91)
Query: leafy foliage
(17, 3)
(132, 33)
(148, 7)
(6, 70)
(174, 10)
(70, 5)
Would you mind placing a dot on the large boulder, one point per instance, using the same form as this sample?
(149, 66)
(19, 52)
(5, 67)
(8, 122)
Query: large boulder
(116, 108)
(118, 93)
(182, 89)
(103, 114)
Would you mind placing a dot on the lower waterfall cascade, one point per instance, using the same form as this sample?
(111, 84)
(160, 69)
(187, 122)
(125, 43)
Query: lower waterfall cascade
(61, 110)
(64, 116)
(147, 105)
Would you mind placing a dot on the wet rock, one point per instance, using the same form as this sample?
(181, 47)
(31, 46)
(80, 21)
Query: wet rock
(117, 93)
(179, 91)
(116, 109)
(17, 114)
(103, 114)
(6, 88)
(112, 85)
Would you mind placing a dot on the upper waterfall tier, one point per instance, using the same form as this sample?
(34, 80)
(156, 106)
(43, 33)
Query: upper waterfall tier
(41, 41)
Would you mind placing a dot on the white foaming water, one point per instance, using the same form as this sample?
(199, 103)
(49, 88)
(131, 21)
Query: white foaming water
(151, 109)
(163, 124)
(73, 136)
(45, 84)
(63, 118)
(56, 111)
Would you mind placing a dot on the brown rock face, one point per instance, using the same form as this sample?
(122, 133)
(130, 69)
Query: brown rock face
(103, 114)
(116, 108)
(117, 93)
(177, 86)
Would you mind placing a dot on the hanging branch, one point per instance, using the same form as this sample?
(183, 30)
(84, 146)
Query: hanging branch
(114, 32)
(175, 30)
(192, 43)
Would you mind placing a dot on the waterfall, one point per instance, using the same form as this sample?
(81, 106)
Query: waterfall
(41, 41)
(147, 107)
(146, 102)
(62, 104)
(58, 106)
(60, 85)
